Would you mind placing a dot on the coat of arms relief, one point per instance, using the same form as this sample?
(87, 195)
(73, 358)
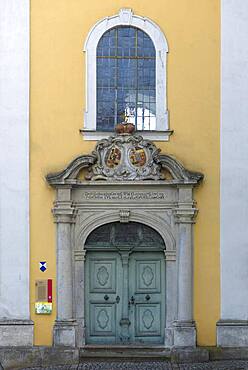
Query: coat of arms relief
(125, 156)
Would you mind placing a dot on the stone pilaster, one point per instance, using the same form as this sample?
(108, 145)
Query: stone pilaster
(79, 261)
(184, 326)
(171, 295)
(65, 325)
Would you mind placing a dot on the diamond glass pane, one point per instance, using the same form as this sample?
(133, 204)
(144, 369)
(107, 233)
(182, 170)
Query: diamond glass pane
(126, 79)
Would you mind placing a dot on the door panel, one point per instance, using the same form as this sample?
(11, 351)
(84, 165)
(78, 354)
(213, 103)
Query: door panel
(103, 291)
(103, 319)
(148, 275)
(102, 275)
(147, 319)
(147, 297)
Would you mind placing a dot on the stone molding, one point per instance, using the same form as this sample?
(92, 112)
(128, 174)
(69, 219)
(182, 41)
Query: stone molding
(70, 173)
(185, 215)
(64, 212)
(178, 171)
(79, 255)
(102, 217)
(170, 255)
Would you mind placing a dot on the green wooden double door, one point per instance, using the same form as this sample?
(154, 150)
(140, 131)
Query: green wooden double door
(125, 297)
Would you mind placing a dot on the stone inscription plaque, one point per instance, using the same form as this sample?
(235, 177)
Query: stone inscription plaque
(124, 195)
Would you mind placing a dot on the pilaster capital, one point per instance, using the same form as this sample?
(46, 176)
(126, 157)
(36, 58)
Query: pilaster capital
(64, 212)
(170, 255)
(79, 255)
(185, 214)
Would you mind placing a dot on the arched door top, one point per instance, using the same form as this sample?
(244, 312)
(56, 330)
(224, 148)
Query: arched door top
(133, 235)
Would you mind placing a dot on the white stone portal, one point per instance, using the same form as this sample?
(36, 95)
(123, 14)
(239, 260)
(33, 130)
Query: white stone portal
(116, 192)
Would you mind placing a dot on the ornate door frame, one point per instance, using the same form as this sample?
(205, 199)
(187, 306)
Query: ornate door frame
(166, 205)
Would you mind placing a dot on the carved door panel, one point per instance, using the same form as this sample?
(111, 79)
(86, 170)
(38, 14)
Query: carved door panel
(103, 297)
(147, 297)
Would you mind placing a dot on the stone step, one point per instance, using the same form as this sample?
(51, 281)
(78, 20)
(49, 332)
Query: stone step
(127, 352)
(140, 353)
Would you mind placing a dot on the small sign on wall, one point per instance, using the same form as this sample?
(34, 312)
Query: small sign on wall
(43, 297)
(43, 266)
(43, 308)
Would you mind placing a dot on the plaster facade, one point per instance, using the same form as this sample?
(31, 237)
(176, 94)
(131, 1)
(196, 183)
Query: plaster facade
(58, 31)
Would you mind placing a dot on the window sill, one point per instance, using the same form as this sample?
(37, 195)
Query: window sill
(91, 135)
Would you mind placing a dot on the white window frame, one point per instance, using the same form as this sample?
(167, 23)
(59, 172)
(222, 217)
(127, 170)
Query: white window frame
(126, 17)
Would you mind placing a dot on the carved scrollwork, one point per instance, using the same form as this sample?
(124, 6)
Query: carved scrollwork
(126, 157)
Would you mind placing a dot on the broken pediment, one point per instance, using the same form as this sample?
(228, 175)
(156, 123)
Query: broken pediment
(125, 157)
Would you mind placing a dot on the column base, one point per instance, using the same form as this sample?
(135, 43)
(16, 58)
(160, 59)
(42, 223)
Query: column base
(232, 333)
(80, 330)
(184, 334)
(64, 333)
(16, 332)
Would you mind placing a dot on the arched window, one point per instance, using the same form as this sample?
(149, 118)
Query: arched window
(126, 76)
(126, 83)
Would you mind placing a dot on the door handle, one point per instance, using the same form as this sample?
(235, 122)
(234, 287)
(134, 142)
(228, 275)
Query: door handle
(148, 297)
(117, 299)
(131, 300)
(106, 297)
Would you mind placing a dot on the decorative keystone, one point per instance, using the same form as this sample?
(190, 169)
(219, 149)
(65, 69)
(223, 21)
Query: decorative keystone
(124, 215)
(126, 15)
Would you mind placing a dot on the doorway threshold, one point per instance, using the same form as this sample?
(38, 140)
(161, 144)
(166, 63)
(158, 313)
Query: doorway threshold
(131, 351)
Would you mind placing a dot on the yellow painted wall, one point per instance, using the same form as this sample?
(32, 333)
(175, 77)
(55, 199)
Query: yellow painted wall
(58, 31)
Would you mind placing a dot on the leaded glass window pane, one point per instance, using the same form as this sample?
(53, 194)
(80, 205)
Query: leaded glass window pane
(126, 80)
(132, 234)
